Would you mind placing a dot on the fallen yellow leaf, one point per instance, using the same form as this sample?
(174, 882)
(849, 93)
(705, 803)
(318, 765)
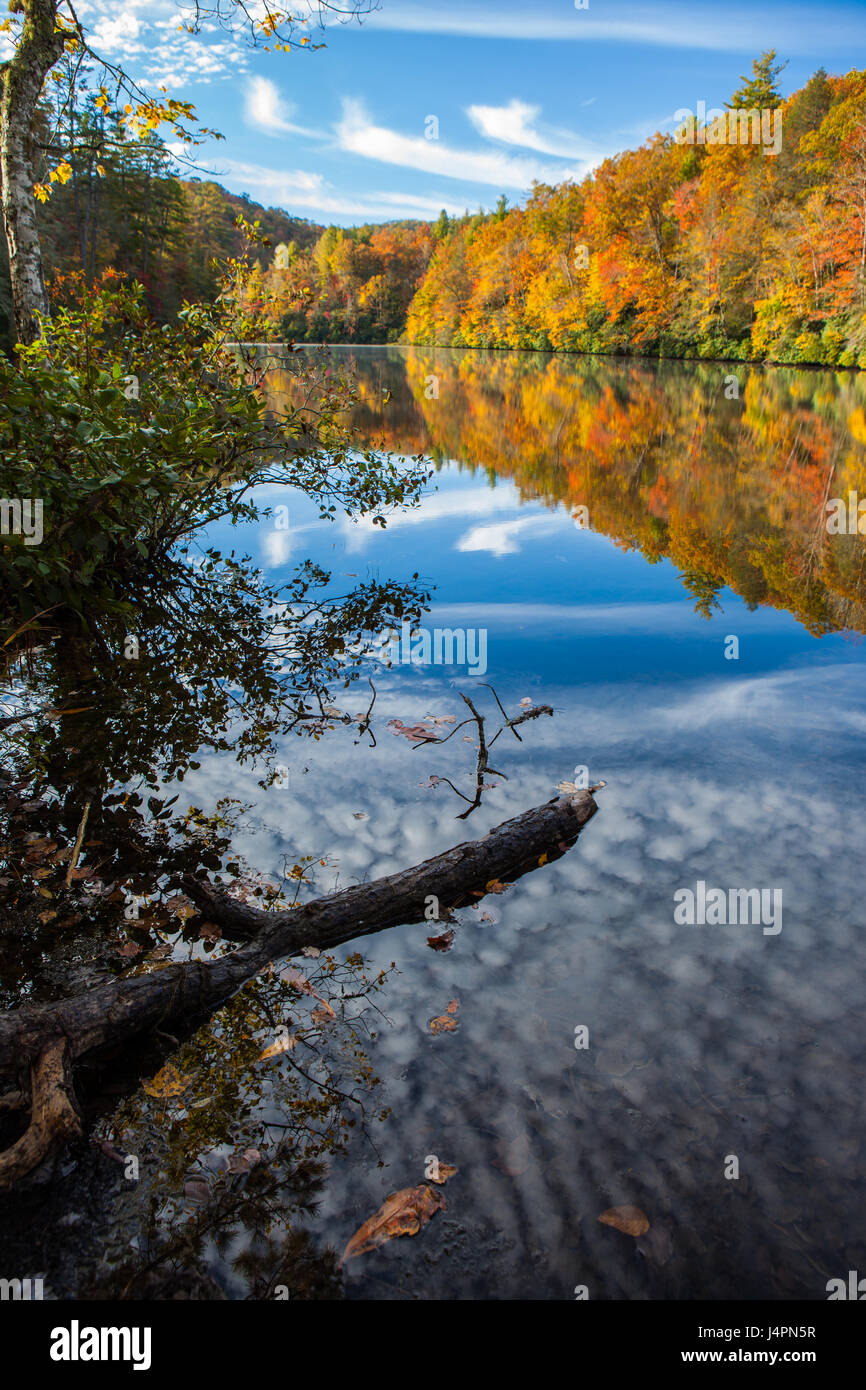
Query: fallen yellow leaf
(167, 1082)
(630, 1220)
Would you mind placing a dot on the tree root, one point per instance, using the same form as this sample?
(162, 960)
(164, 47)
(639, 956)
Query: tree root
(54, 1113)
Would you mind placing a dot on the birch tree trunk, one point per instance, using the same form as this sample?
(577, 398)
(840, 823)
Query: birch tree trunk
(21, 80)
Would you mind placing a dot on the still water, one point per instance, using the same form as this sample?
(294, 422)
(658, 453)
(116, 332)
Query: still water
(738, 764)
(643, 548)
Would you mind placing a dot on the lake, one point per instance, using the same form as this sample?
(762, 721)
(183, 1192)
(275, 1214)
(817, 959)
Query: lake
(643, 548)
(610, 526)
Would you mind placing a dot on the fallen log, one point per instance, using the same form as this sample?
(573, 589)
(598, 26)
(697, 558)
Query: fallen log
(39, 1043)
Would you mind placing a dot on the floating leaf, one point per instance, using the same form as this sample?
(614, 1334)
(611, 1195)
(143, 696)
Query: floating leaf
(167, 1082)
(414, 732)
(197, 1190)
(443, 1024)
(512, 1155)
(401, 1214)
(446, 1023)
(285, 1043)
(630, 1220)
(242, 1163)
(443, 942)
(444, 1171)
(526, 701)
(297, 980)
(360, 815)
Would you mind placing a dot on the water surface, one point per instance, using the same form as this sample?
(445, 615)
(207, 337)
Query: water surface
(705, 523)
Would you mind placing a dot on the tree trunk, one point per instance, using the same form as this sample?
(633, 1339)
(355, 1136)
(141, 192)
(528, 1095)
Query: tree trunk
(177, 998)
(21, 80)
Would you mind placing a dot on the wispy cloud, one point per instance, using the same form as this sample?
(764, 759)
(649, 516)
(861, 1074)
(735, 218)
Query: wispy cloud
(517, 124)
(727, 28)
(357, 134)
(266, 110)
(294, 189)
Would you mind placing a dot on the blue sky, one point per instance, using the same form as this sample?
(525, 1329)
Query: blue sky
(520, 91)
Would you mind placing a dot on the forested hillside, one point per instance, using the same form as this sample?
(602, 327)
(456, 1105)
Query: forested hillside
(683, 250)
(680, 250)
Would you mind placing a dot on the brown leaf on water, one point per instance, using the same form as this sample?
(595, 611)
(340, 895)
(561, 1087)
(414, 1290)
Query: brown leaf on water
(444, 1023)
(630, 1220)
(282, 1044)
(243, 1162)
(196, 1189)
(298, 980)
(443, 942)
(415, 733)
(401, 1214)
(323, 1012)
(512, 1155)
(494, 886)
(444, 1171)
(167, 1082)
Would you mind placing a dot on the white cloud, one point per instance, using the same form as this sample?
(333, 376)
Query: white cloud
(515, 124)
(266, 110)
(144, 37)
(501, 537)
(296, 188)
(357, 134)
(730, 28)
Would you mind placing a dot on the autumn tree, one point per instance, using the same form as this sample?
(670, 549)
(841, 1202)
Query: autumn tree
(40, 32)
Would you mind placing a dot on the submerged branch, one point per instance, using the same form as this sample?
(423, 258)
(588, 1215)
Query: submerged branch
(182, 996)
